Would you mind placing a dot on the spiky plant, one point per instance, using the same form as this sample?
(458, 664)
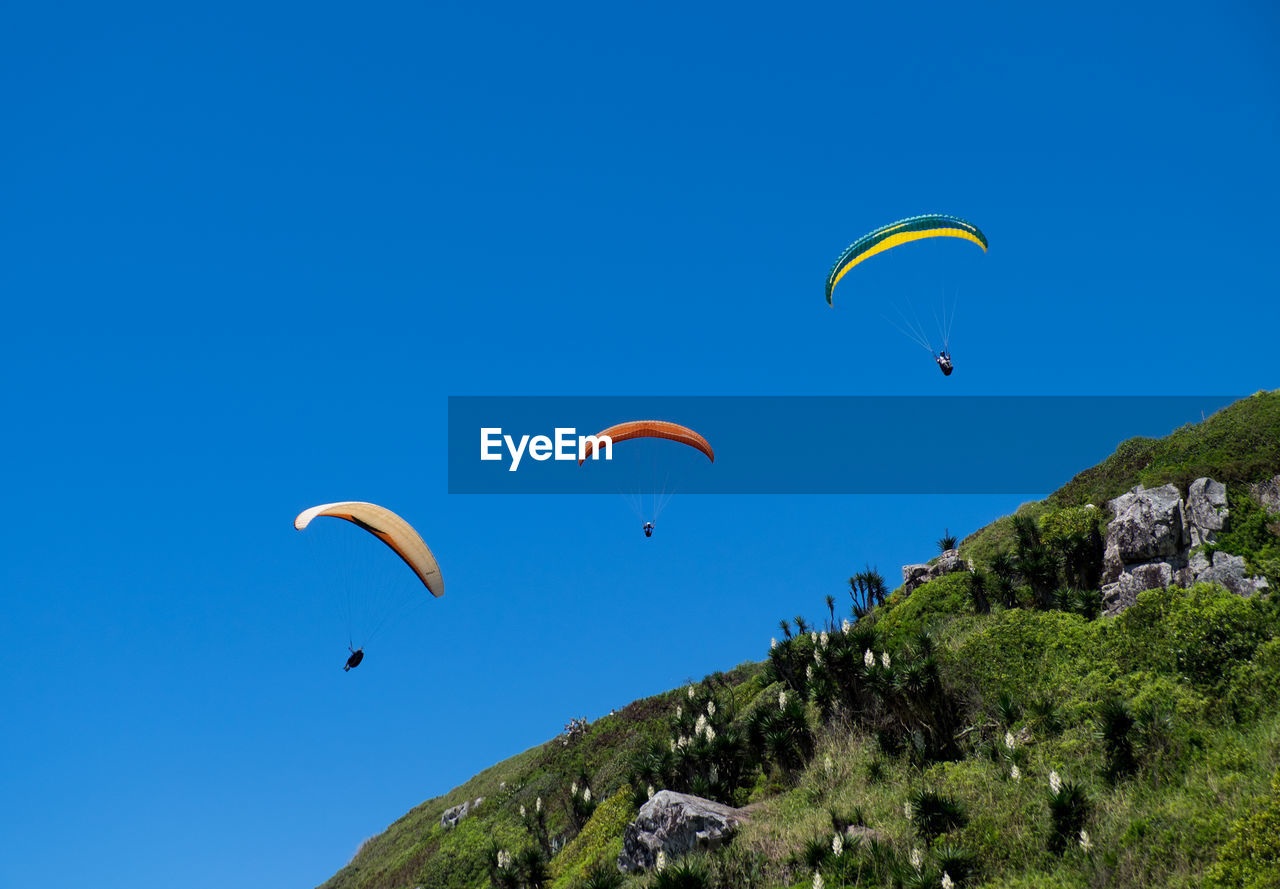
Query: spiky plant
(946, 541)
(532, 865)
(1047, 714)
(1068, 810)
(816, 853)
(1115, 729)
(935, 813)
(858, 593)
(1008, 709)
(977, 588)
(682, 875)
(877, 589)
(1036, 561)
(603, 875)
(956, 862)
(876, 771)
(1004, 588)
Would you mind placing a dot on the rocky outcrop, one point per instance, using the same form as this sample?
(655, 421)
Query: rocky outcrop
(452, 816)
(1152, 543)
(675, 824)
(1206, 510)
(916, 575)
(1268, 494)
(1227, 571)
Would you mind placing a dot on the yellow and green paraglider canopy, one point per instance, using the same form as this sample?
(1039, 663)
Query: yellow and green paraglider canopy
(913, 228)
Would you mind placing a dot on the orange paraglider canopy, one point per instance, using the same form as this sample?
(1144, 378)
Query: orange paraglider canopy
(651, 429)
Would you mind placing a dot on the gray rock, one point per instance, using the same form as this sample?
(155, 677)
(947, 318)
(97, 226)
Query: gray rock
(948, 562)
(1231, 573)
(675, 824)
(914, 575)
(1148, 524)
(1268, 494)
(452, 816)
(1206, 510)
(1123, 592)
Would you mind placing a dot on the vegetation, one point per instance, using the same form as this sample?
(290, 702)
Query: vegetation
(989, 729)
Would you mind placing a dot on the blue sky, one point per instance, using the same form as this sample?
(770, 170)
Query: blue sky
(251, 249)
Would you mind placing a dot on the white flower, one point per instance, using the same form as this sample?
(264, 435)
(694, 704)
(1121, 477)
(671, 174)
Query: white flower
(1008, 740)
(651, 791)
(906, 809)
(1015, 774)
(700, 726)
(917, 860)
(773, 643)
(504, 858)
(1055, 782)
(679, 712)
(824, 638)
(573, 789)
(817, 880)
(673, 745)
(1085, 842)
(711, 708)
(522, 811)
(869, 659)
(502, 785)
(946, 881)
(813, 637)
(808, 672)
(845, 625)
(827, 764)
(586, 794)
(538, 805)
(711, 733)
(884, 659)
(782, 699)
(837, 846)
(661, 864)
(691, 692)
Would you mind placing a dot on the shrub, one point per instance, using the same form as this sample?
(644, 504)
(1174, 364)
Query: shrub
(1250, 859)
(935, 813)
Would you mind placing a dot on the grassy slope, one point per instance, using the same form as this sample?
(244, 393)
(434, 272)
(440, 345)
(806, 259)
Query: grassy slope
(1163, 827)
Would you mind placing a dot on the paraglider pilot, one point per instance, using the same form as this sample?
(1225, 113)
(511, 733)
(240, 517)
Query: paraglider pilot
(357, 655)
(944, 362)
(648, 529)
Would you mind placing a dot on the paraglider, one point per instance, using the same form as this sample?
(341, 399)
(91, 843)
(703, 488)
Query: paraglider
(914, 228)
(357, 655)
(650, 429)
(662, 429)
(395, 532)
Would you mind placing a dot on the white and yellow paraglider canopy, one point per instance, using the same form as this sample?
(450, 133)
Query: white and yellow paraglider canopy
(388, 527)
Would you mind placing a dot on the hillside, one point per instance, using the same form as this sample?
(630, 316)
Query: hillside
(988, 728)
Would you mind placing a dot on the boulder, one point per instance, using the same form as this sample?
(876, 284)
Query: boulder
(1122, 593)
(914, 575)
(1206, 510)
(1230, 573)
(865, 835)
(1268, 494)
(1148, 524)
(675, 824)
(452, 816)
